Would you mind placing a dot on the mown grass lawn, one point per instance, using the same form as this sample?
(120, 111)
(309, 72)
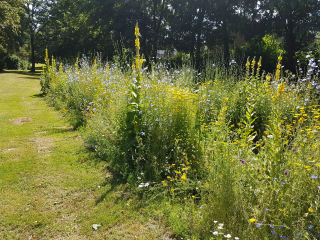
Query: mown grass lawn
(51, 186)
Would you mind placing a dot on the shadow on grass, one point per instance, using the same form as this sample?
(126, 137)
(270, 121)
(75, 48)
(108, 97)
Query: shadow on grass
(26, 74)
(59, 130)
(39, 95)
(115, 180)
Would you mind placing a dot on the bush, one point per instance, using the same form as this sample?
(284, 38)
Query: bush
(267, 47)
(24, 65)
(12, 62)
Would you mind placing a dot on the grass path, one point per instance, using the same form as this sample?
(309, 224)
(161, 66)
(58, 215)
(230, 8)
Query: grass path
(51, 187)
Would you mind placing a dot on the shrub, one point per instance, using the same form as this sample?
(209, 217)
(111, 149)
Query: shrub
(12, 62)
(267, 47)
(24, 65)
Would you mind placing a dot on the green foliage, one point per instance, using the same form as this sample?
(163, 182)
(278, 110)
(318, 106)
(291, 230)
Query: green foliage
(12, 62)
(228, 148)
(179, 60)
(9, 23)
(295, 21)
(302, 61)
(268, 48)
(24, 65)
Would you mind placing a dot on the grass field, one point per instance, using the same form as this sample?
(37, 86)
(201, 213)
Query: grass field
(51, 186)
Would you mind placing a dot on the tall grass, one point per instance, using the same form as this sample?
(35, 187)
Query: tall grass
(242, 150)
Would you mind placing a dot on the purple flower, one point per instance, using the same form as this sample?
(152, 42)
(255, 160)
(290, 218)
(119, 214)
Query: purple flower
(294, 149)
(286, 172)
(242, 161)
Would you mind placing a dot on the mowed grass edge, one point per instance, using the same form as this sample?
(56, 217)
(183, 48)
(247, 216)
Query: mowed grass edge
(51, 186)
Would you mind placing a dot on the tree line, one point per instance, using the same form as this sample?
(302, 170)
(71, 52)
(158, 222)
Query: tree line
(68, 28)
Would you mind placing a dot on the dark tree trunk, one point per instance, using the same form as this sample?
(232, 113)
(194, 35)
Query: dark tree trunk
(144, 50)
(199, 31)
(225, 37)
(156, 26)
(290, 45)
(155, 40)
(33, 58)
(192, 48)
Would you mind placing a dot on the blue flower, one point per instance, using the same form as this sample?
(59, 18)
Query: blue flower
(273, 232)
(142, 133)
(281, 227)
(267, 209)
(271, 226)
(310, 227)
(275, 178)
(314, 177)
(258, 225)
(283, 183)
(299, 235)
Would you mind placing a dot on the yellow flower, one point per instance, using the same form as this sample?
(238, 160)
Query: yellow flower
(268, 78)
(136, 31)
(280, 90)
(184, 177)
(252, 220)
(259, 63)
(301, 120)
(280, 58)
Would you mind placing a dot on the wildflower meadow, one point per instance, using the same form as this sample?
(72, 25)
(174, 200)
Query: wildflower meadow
(230, 152)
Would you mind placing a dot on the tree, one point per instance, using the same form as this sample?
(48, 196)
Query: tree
(37, 14)
(10, 11)
(188, 26)
(294, 20)
(67, 32)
